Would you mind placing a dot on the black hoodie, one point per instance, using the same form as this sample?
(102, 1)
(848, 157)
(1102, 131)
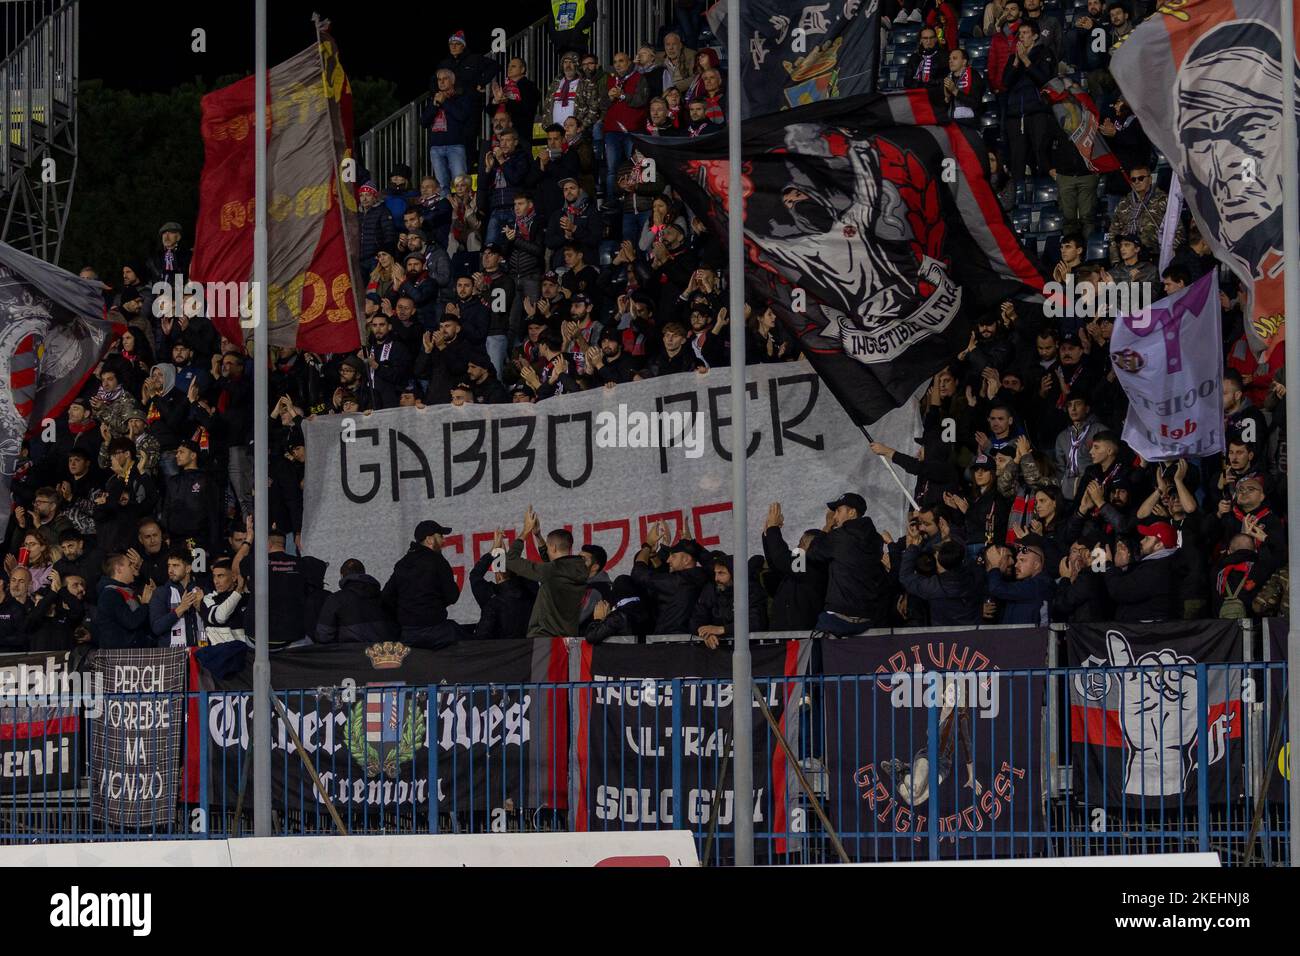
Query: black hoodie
(354, 614)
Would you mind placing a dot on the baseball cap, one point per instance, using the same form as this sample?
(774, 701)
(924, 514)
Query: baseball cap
(494, 247)
(191, 445)
(581, 297)
(983, 461)
(171, 226)
(1162, 530)
(852, 499)
(426, 528)
(566, 179)
(1071, 338)
(551, 277)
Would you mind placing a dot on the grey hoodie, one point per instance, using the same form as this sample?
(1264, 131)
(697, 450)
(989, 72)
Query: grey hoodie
(168, 371)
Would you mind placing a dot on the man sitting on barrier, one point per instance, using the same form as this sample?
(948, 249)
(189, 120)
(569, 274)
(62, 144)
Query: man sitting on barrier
(421, 589)
(671, 577)
(851, 549)
(561, 578)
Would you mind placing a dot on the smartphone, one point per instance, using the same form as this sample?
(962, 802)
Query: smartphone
(23, 555)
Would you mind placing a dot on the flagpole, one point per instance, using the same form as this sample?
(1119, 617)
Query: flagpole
(261, 464)
(741, 676)
(1291, 254)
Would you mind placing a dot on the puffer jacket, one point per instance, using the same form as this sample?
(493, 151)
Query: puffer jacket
(354, 614)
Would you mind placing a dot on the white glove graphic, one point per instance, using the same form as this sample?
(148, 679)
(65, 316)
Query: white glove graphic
(1158, 711)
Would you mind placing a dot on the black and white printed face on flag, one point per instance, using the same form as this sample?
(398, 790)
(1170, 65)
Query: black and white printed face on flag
(870, 230)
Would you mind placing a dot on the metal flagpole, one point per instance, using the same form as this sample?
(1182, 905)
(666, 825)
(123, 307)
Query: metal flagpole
(262, 717)
(1291, 253)
(741, 677)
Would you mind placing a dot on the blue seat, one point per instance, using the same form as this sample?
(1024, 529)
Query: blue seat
(972, 8)
(1097, 246)
(1044, 190)
(906, 33)
(966, 26)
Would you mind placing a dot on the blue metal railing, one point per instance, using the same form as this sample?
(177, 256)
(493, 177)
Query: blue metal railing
(990, 764)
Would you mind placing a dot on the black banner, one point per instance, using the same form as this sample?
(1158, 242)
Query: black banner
(935, 700)
(40, 722)
(137, 738)
(1134, 734)
(797, 53)
(386, 719)
(628, 754)
(870, 229)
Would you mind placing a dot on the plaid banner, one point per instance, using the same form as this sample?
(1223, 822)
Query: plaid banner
(135, 744)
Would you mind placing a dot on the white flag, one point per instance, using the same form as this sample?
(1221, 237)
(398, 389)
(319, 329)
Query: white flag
(1169, 360)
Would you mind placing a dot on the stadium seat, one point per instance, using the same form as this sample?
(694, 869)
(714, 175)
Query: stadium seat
(1044, 190)
(905, 34)
(1097, 246)
(966, 26)
(978, 46)
(972, 8)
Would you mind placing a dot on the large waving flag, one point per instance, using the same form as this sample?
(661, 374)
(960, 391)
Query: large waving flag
(1078, 117)
(52, 334)
(871, 228)
(312, 302)
(1163, 354)
(800, 53)
(1205, 79)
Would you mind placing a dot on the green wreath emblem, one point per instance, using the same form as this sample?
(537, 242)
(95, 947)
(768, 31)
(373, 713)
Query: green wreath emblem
(389, 762)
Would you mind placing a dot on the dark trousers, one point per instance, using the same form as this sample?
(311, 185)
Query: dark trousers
(1028, 142)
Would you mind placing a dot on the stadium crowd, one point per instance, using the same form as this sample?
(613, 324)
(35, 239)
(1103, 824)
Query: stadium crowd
(520, 274)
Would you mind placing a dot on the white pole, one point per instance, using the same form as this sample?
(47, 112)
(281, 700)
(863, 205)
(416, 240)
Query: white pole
(262, 716)
(741, 676)
(1291, 253)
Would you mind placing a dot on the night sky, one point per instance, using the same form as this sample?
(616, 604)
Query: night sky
(145, 44)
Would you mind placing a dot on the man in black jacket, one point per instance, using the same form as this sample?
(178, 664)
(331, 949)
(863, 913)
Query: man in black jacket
(1027, 120)
(421, 589)
(851, 550)
(673, 581)
(798, 594)
(963, 88)
(525, 250)
(121, 618)
(506, 601)
(714, 616)
(354, 614)
(1142, 585)
(193, 510)
(954, 593)
(925, 67)
(389, 360)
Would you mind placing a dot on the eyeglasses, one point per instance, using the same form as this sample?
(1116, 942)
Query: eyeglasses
(1138, 179)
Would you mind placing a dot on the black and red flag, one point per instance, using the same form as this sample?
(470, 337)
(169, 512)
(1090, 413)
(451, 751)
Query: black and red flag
(870, 228)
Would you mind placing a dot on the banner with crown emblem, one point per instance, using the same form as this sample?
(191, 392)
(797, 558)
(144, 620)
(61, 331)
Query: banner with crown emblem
(795, 53)
(400, 734)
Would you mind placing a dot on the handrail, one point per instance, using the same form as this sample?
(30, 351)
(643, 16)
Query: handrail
(38, 74)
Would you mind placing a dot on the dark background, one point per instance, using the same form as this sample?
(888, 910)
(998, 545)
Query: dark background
(144, 45)
(139, 150)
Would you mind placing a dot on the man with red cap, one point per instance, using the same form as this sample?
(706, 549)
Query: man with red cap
(1142, 580)
(376, 225)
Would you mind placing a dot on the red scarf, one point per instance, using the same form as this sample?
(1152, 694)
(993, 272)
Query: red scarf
(524, 227)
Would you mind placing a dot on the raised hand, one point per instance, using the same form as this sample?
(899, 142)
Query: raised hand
(1158, 715)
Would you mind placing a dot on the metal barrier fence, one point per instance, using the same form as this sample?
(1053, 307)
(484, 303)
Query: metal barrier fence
(933, 765)
(622, 25)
